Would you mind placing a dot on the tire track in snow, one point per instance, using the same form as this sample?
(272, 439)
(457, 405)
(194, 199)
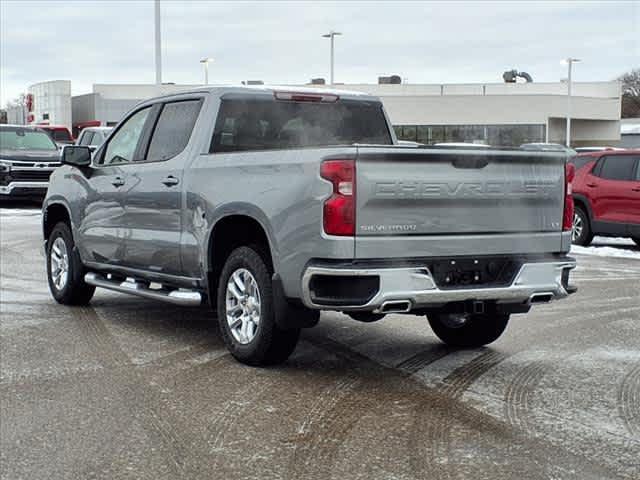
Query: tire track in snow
(326, 426)
(629, 401)
(435, 455)
(517, 407)
(420, 360)
(139, 398)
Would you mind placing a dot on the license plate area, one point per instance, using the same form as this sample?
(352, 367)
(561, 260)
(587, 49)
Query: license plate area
(469, 272)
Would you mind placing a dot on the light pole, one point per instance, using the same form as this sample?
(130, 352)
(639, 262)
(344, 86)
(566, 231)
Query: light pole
(331, 35)
(206, 61)
(158, 42)
(569, 61)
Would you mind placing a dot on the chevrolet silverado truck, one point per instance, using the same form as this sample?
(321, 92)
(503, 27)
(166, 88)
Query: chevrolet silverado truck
(273, 204)
(28, 156)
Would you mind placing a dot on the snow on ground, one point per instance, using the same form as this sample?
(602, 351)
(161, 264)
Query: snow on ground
(9, 216)
(609, 247)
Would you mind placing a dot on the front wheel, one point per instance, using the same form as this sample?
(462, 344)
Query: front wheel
(246, 313)
(468, 330)
(65, 271)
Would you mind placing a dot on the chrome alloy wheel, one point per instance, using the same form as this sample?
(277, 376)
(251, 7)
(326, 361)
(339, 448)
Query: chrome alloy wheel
(578, 227)
(243, 305)
(59, 263)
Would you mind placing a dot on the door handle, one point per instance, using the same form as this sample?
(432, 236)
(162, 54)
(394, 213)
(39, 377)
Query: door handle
(592, 185)
(637, 189)
(118, 182)
(170, 181)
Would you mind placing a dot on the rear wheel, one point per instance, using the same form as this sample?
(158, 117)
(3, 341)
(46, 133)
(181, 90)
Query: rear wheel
(468, 330)
(366, 317)
(65, 271)
(581, 233)
(246, 313)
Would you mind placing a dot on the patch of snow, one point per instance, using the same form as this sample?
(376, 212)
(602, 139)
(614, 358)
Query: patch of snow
(612, 241)
(606, 252)
(11, 216)
(618, 247)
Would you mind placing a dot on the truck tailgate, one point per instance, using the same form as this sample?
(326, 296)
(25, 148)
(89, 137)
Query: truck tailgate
(452, 195)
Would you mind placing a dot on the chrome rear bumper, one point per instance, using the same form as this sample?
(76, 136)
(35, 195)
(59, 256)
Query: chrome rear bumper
(535, 281)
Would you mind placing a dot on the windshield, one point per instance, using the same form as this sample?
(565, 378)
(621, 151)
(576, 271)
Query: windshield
(264, 124)
(23, 139)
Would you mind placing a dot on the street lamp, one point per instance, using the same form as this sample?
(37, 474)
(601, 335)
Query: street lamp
(569, 62)
(331, 35)
(205, 62)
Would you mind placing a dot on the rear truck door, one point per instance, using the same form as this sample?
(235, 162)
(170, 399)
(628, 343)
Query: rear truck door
(442, 202)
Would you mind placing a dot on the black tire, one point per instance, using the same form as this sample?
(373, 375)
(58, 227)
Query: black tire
(74, 291)
(586, 235)
(270, 345)
(366, 317)
(476, 331)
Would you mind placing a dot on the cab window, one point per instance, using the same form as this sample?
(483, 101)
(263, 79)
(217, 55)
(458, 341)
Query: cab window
(123, 144)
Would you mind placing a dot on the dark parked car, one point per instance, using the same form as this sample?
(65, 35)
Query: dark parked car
(606, 191)
(28, 156)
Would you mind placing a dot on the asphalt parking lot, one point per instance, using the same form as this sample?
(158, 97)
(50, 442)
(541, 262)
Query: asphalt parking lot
(129, 388)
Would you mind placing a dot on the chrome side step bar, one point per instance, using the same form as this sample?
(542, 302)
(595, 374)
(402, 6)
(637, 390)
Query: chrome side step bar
(187, 298)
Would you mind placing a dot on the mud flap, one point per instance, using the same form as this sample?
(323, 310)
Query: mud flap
(289, 315)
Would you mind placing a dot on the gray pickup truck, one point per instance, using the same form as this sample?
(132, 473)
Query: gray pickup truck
(273, 204)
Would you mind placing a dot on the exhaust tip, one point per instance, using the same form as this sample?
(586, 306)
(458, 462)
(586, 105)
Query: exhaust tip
(541, 298)
(396, 306)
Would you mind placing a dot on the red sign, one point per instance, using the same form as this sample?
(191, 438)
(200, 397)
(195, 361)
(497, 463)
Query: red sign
(29, 102)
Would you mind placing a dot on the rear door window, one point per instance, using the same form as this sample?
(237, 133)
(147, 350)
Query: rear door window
(86, 138)
(246, 124)
(96, 139)
(617, 167)
(173, 129)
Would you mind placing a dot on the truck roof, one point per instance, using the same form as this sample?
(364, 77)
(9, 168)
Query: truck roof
(224, 89)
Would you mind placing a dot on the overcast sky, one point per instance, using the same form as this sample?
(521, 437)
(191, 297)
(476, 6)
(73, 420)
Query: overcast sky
(91, 42)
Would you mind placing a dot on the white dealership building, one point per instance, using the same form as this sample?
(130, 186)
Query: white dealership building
(492, 113)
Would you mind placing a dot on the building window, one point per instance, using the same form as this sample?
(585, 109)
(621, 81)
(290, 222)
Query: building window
(496, 135)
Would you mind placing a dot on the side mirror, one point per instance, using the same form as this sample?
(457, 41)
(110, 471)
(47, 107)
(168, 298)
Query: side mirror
(76, 155)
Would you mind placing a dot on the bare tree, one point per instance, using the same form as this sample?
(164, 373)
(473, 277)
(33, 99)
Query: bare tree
(630, 93)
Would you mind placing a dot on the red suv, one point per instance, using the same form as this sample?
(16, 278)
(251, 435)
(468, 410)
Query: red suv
(606, 191)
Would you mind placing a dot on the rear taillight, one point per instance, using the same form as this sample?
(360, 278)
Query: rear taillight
(569, 174)
(339, 214)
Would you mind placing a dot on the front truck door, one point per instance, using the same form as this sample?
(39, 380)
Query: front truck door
(101, 228)
(153, 203)
(616, 196)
